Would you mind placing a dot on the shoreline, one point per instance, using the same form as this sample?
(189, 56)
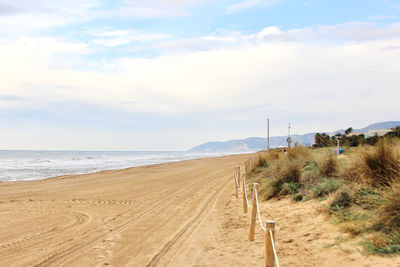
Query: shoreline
(121, 168)
(182, 213)
(114, 217)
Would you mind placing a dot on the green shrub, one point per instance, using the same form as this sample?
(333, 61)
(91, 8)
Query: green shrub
(285, 180)
(326, 186)
(367, 197)
(384, 245)
(298, 197)
(290, 188)
(341, 200)
(309, 173)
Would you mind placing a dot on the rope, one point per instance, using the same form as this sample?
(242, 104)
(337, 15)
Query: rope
(258, 211)
(255, 197)
(273, 248)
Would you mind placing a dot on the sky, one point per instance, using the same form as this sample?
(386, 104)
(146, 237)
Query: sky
(172, 74)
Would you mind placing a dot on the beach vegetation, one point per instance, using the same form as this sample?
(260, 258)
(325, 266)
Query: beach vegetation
(360, 190)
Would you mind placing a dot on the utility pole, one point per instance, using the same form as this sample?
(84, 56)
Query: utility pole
(267, 134)
(289, 140)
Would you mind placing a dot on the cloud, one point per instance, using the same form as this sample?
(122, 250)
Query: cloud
(112, 42)
(249, 4)
(242, 5)
(330, 34)
(113, 38)
(295, 74)
(25, 17)
(155, 8)
(73, 7)
(11, 98)
(381, 17)
(257, 74)
(149, 12)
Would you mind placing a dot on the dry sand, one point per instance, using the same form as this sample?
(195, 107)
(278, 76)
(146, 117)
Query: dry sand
(176, 214)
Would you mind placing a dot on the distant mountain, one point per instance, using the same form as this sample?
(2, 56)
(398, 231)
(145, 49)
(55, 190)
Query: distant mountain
(374, 126)
(378, 126)
(259, 143)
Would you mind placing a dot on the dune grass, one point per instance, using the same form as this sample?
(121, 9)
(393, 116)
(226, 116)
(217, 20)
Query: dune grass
(361, 188)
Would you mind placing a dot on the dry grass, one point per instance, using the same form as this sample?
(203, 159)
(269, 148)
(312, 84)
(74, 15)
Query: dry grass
(298, 152)
(263, 158)
(381, 164)
(362, 188)
(388, 214)
(328, 166)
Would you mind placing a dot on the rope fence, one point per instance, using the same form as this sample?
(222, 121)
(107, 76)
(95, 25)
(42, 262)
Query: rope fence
(271, 257)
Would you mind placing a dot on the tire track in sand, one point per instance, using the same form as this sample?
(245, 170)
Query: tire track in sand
(174, 243)
(80, 218)
(76, 249)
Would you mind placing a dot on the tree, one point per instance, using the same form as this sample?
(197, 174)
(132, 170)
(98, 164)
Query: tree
(322, 140)
(395, 132)
(348, 131)
(372, 140)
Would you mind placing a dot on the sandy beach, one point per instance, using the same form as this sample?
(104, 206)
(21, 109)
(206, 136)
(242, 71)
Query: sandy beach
(176, 214)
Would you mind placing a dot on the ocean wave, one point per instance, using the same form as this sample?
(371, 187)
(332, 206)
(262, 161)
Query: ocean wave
(20, 165)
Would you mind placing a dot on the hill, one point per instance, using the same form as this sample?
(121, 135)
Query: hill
(259, 143)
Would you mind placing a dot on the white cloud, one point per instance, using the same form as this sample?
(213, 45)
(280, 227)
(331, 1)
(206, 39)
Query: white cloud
(241, 77)
(278, 72)
(381, 17)
(169, 3)
(249, 4)
(21, 17)
(331, 34)
(113, 38)
(112, 42)
(148, 12)
(156, 8)
(242, 5)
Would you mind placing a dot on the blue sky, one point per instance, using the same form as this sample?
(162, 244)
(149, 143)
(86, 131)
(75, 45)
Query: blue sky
(168, 75)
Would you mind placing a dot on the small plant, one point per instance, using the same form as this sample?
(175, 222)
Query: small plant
(326, 186)
(384, 244)
(367, 197)
(328, 167)
(285, 180)
(291, 173)
(298, 197)
(388, 213)
(298, 152)
(381, 164)
(341, 200)
(309, 173)
(290, 188)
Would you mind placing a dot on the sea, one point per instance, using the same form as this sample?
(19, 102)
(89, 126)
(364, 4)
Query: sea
(23, 165)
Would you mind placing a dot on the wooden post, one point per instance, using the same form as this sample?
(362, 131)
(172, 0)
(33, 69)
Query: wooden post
(236, 185)
(244, 194)
(269, 252)
(238, 174)
(253, 217)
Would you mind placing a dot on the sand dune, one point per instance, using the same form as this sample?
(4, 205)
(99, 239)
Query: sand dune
(176, 214)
